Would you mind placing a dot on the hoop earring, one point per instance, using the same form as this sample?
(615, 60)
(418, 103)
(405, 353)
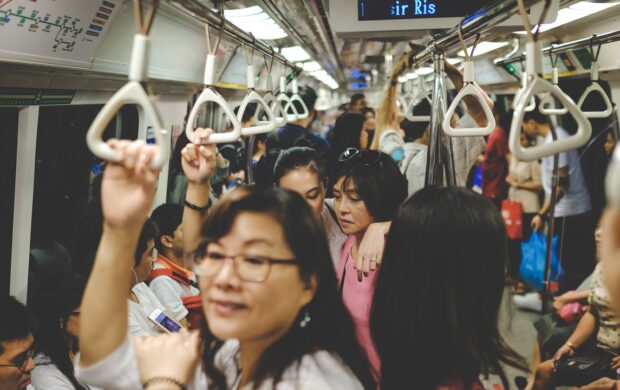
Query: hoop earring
(304, 322)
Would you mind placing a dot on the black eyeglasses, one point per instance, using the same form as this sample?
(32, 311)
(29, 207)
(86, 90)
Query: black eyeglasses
(21, 363)
(365, 157)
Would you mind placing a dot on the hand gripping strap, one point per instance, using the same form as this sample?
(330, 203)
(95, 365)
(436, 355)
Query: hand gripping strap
(132, 92)
(471, 89)
(305, 113)
(209, 94)
(581, 137)
(596, 88)
(260, 128)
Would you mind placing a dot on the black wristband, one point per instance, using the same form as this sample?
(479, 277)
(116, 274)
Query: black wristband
(542, 216)
(164, 379)
(196, 207)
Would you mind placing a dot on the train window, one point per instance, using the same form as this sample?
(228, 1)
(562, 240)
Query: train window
(8, 158)
(64, 173)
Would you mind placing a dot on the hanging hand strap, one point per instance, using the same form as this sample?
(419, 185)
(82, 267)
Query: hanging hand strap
(471, 88)
(296, 98)
(132, 92)
(536, 87)
(210, 94)
(286, 102)
(546, 101)
(424, 94)
(270, 98)
(596, 88)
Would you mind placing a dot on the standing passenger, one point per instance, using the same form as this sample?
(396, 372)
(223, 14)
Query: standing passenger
(439, 292)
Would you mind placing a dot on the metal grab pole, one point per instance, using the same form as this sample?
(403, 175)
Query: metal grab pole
(554, 188)
(440, 161)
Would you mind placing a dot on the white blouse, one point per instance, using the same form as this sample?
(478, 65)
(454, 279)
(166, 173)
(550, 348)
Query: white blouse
(320, 370)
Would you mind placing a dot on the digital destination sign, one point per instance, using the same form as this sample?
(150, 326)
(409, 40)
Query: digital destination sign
(416, 9)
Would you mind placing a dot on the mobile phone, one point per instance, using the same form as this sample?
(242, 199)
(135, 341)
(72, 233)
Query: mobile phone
(164, 322)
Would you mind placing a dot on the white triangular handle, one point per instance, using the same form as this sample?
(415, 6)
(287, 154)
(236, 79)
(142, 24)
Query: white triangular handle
(580, 138)
(209, 94)
(286, 102)
(595, 87)
(532, 105)
(275, 107)
(260, 128)
(612, 180)
(417, 118)
(470, 89)
(401, 104)
(132, 92)
(545, 102)
(296, 98)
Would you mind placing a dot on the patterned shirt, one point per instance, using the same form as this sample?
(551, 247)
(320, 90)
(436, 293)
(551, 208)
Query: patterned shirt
(608, 337)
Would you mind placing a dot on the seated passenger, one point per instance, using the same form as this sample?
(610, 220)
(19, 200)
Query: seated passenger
(607, 346)
(438, 294)
(273, 315)
(302, 170)
(16, 345)
(170, 281)
(142, 301)
(58, 319)
(369, 188)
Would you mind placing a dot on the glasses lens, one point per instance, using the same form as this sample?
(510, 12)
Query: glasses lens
(253, 269)
(348, 154)
(208, 264)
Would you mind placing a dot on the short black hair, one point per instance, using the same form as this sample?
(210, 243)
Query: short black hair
(357, 97)
(149, 232)
(366, 110)
(20, 322)
(250, 111)
(536, 116)
(167, 218)
(415, 130)
(379, 183)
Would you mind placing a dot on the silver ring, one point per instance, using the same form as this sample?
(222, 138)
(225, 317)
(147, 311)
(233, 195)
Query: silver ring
(373, 260)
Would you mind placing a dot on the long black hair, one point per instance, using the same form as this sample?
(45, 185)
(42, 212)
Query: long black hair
(52, 312)
(331, 328)
(439, 292)
(299, 157)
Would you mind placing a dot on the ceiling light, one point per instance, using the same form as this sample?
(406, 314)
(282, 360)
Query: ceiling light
(576, 11)
(311, 66)
(411, 75)
(402, 79)
(295, 53)
(484, 47)
(423, 71)
(255, 21)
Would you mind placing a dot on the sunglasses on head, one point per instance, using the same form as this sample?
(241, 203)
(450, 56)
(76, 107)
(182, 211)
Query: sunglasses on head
(366, 157)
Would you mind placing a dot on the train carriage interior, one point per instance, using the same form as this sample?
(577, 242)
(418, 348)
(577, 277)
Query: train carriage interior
(407, 126)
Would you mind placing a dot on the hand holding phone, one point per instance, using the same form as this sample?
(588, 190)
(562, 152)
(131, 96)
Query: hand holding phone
(164, 322)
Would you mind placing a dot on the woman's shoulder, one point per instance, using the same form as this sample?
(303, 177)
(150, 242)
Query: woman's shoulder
(319, 370)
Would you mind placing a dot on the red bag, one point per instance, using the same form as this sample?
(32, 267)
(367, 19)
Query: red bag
(512, 213)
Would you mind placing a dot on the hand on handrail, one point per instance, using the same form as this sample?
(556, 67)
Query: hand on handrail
(132, 92)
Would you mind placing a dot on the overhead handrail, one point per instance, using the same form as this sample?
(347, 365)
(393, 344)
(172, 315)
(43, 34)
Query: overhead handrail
(470, 88)
(595, 87)
(253, 96)
(296, 98)
(131, 92)
(270, 98)
(210, 95)
(547, 101)
(286, 102)
(415, 101)
(536, 87)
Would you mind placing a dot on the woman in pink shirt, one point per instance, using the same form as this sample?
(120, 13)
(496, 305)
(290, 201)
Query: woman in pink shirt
(369, 188)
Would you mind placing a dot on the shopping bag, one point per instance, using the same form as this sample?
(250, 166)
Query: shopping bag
(512, 213)
(534, 254)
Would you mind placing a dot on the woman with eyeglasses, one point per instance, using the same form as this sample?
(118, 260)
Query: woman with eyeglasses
(273, 319)
(369, 188)
(302, 169)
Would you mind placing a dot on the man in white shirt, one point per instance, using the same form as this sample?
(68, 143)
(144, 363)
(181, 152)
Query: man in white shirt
(16, 345)
(574, 223)
(170, 280)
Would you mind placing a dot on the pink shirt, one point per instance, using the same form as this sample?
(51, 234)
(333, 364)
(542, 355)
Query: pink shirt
(357, 297)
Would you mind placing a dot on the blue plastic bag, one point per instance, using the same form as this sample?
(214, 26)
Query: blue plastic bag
(534, 255)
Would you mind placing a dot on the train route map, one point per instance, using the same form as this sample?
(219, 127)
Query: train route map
(62, 29)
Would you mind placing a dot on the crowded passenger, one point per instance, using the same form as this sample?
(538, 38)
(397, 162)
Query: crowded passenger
(368, 131)
(357, 103)
(17, 345)
(574, 220)
(439, 292)
(495, 164)
(170, 280)
(277, 249)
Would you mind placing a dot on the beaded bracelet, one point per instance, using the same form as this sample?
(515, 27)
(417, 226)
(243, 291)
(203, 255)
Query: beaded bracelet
(164, 379)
